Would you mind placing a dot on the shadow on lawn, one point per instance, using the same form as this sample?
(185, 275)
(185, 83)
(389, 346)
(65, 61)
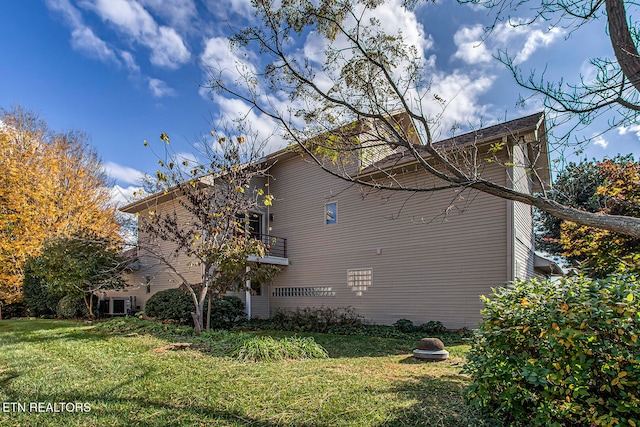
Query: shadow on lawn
(141, 412)
(440, 402)
(39, 331)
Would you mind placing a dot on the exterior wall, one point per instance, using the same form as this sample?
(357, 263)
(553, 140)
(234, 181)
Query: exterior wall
(523, 238)
(426, 266)
(430, 254)
(151, 271)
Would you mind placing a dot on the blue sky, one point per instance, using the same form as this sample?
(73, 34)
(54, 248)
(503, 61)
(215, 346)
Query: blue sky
(125, 71)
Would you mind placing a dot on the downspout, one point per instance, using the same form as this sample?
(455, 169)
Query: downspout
(511, 235)
(247, 297)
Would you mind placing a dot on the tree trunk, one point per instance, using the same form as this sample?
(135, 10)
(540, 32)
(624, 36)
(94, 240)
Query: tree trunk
(197, 320)
(622, 42)
(209, 313)
(89, 304)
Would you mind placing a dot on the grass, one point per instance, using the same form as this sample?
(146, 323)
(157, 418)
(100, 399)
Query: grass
(366, 381)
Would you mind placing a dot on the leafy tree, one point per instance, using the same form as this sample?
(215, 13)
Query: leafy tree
(201, 220)
(577, 186)
(52, 184)
(80, 266)
(341, 103)
(603, 252)
(37, 296)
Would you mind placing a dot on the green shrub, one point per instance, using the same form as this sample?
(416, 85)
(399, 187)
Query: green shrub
(177, 305)
(321, 320)
(405, 326)
(171, 304)
(71, 307)
(559, 354)
(40, 302)
(432, 327)
(226, 312)
(16, 309)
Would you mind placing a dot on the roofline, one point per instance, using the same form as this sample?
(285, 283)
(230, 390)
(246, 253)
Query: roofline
(411, 160)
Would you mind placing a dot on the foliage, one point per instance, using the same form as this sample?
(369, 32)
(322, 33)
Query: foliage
(16, 309)
(218, 195)
(73, 306)
(346, 321)
(170, 304)
(38, 298)
(406, 326)
(314, 319)
(135, 325)
(176, 304)
(559, 353)
(601, 252)
(226, 311)
(575, 186)
(64, 191)
(80, 265)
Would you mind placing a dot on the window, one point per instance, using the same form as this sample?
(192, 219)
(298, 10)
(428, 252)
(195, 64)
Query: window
(118, 306)
(359, 280)
(331, 213)
(251, 223)
(256, 288)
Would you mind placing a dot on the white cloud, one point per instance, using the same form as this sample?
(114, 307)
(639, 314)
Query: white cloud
(524, 39)
(219, 58)
(159, 88)
(179, 13)
(461, 94)
(240, 7)
(535, 40)
(630, 129)
(265, 127)
(84, 40)
(123, 173)
(471, 47)
(129, 61)
(601, 142)
(121, 196)
(132, 20)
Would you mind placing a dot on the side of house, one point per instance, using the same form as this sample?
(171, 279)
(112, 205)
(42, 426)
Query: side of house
(424, 255)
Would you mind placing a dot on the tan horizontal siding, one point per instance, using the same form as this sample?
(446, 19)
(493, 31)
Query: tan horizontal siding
(431, 267)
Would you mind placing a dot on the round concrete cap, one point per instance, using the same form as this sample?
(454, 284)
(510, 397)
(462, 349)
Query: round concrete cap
(431, 354)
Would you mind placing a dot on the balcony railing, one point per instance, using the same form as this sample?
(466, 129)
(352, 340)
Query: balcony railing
(276, 246)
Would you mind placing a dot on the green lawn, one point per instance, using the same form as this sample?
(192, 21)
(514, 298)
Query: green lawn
(129, 381)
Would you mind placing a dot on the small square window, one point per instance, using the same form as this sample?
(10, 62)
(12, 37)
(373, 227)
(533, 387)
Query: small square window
(331, 213)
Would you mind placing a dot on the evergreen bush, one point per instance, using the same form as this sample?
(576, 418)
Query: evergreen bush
(71, 307)
(557, 354)
(38, 299)
(171, 304)
(177, 305)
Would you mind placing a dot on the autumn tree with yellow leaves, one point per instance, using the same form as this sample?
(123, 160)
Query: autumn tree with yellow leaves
(52, 185)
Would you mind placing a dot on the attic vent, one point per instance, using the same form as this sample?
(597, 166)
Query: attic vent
(359, 280)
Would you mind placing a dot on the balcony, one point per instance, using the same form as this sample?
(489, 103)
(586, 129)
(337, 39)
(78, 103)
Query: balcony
(276, 250)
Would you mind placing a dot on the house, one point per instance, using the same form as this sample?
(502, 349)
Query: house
(388, 254)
